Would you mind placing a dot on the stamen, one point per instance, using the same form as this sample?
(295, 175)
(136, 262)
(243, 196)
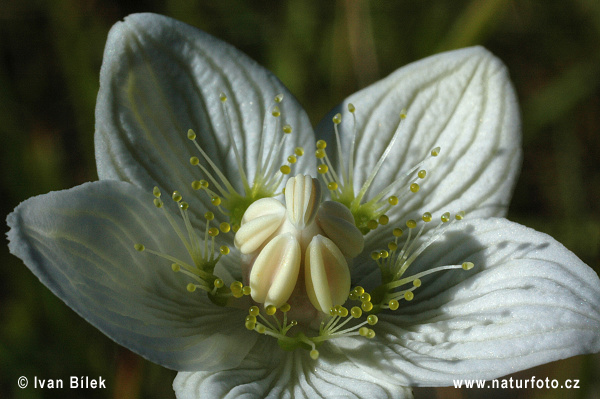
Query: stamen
(366, 212)
(394, 264)
(203, 253)
(268, 176)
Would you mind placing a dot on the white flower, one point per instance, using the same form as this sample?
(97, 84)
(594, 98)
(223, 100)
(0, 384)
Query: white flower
(107, 251)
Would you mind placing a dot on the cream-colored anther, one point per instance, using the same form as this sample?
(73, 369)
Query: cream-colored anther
(302, 199)
(275, 271)
(326, 274)
(260, 221)
(338, 224)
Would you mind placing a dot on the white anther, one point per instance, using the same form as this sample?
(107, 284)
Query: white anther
(302, 198)
(260, 221)
(275, 271)
(327, 275)
(338, 224)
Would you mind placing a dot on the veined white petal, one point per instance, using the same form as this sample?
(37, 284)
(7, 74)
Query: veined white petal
(527, 301)
(327, 275)
(275, 271)
(80, 244)
(271, 373)
(161, 77)
(461, 101)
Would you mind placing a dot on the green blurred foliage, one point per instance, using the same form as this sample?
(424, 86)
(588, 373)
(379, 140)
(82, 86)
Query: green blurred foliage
(50, 56)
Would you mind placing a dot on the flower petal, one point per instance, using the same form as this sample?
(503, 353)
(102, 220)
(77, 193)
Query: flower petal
(461, 101)
(80, 244)
(161, 77)
(527, 301)
(273, 373)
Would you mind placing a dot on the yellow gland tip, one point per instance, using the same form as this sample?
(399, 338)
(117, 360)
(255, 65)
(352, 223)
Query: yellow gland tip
(383, 254)
(191, 134)
(218, 283)
(372, 319)
(422, 173)
(366, 306)
(314, 354)
(279, 98)
(460, 215)
(332, 186)
(322, 169)
(411, 224)
(276, 112)
(194, 161)
(417, 283)
(337, 119)
(409, 296)
(299, 151)
(191, 287)
(260, 328)
(383, 220)
(375, 255)
(175, 267)
(184, 206)
(285, 169)
(445, 217)
(223, 97)
(254, 310)
(287, 129)
(356, 312)
(392, 246)
(321, 144)
(246, 290)
(216, 201)
(393, 304)
(372, 224)
(224, 250)
(209, 215)
(158, 202)
(435, 152)
(414, 187)
(225, 227)
(467, 265)
(270, 310)
(139, 247)
(351, 108)
(393, 200)
(292, 159)
(320, 153)
(196, 185)
(156, 192)
(213, 232)
(397, 232)
(176, 196)
(285, 307)
(427, 217)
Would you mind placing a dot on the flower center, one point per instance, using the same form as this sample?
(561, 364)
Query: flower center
(297, 255)
(305, 237)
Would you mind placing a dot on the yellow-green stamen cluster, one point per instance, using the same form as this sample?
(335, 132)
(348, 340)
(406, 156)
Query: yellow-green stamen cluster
(394, 261)
(275, 323)
(203, 252)
(267, 178)
(368, 214)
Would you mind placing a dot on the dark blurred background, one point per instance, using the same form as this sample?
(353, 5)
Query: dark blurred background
(50, 57)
